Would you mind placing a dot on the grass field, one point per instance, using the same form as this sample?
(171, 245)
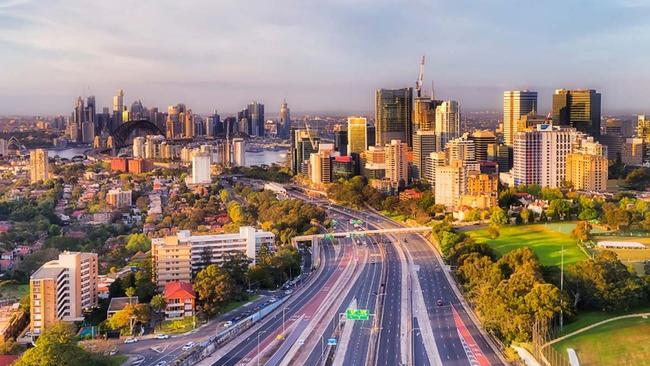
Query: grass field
(586, 318)
(544, 241)
(13, 290)
(621, 342)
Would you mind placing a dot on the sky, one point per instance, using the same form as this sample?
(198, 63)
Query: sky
(321, 55)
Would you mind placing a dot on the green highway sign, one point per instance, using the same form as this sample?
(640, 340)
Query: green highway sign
(357, 314)
(328, 236)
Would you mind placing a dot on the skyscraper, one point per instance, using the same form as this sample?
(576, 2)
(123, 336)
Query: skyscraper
(393, 115)
(201, 168)
(424, 143)
(284, 127)
(482, 139)
(396, 163)
(341, 139)
(516, 103)
(256, 118)
(357, 135)
(303, 143)
(238, 152)
(578, 108)
(424, 114)
(587, 164)
(38, 165)
(447, 123)
(118, 108)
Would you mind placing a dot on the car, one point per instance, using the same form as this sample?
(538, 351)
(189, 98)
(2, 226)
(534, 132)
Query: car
(439, 302)
(288, 292)
(28, 334)
(162, 336)
(130, 340)
(236, 319)
(188, 346)
(227, 324)
(161, 363)
(113, 352)
(273, 299)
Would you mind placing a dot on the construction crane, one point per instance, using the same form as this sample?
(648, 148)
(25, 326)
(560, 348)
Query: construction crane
(311, 138)
(418, 83)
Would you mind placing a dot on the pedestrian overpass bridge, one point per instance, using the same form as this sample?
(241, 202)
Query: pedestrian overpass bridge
(316, 238)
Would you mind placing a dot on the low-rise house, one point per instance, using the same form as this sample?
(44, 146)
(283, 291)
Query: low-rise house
(180, 299)
(119, 303)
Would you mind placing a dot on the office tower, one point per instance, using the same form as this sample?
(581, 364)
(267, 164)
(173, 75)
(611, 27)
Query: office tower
(251, 119)
(284, 125)
(239, 152)
(138, 111)
(447, 123)
(320, 164)
(119, 198)
(586, 165)
(188, 125)
(424, 143)
(461, 149)
(90, 111)
(393, 115)
(374, 163)
(540, 155)
(357, 135)
(632, 152)
(174, 258)
(516, 103)
(138, 147)
(173, 124)
(213, 125)
(201, 168)
(397, 168)
(343, 167)
(303, 143)
(60, 290)
(481, 190)
(3, 147)
(87, 132)
(502, 155)
(424, 113)
(579, 108)
(38, 165)
(482, 139)
(79, 117)
(118, 107)
(371, 134)
(341, 139)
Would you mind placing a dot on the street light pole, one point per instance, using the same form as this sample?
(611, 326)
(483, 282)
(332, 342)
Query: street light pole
(562, 288)
(258, 346)
(413, 346)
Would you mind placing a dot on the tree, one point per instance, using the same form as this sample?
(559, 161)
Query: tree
(498, 216)
(525, 215)
(127, 317)
(236, 213)
(130, 292)
(213, 287)
(581, 231)
(142, 203)
(493, 232)
(158, 303)
(138, 243)
(58, 346)
(558, 209)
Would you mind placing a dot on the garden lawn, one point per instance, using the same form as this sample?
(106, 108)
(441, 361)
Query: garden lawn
(621, 342)
(545, 242)
(177, 326)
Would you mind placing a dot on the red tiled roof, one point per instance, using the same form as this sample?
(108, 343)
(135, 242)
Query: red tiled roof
(6, 360)
(179, 290)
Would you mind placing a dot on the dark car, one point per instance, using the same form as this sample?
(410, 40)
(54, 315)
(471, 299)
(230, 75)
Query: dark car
(439, 302)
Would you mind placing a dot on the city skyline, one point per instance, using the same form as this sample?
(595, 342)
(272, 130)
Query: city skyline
(326, 57)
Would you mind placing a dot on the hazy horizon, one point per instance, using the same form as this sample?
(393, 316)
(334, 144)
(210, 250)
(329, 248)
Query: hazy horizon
(321, 57)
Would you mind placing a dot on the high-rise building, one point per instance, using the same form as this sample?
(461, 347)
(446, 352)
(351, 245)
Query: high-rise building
(447, 123)
(343, 167)
(284, 127)
(461, 149)
(138, 147)
(374, 163)
(60, 290)
(174, 258)
(579, 108)
(213, 125)
(502, 155)
(357, 135)
(449, 184)
(482, 139)
(424, 143)
(320, 164)
(303, 143)
(632, 151)
(239, 152)
(3, 147)
(586, 165)
(397, 167)
(424, 113)
(393, 115)
(432, 162)
(38, 165)
(118, 107)
(201, 168)
(516, 103)
(341, 139)
(188, 125)
(119, 198)
(540, 155)
(251, 119)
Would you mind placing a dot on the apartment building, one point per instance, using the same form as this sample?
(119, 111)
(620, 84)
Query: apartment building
(62, 289)
(176, 257)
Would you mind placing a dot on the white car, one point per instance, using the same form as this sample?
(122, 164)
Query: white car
(188, 346)
(130, 340)
(227, 324)
(162, 336)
